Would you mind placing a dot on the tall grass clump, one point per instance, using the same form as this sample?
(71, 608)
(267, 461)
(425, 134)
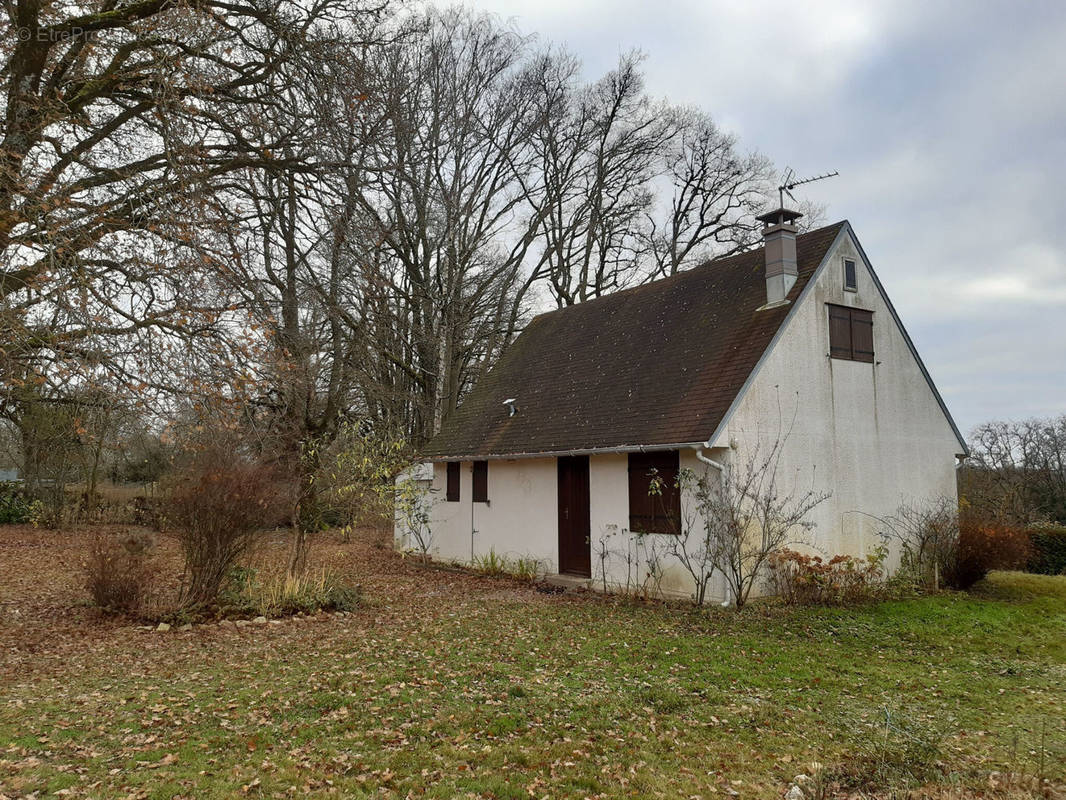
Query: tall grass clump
(285, 595)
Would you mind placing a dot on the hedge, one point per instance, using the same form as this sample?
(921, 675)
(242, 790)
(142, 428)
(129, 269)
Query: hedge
(1048, 549)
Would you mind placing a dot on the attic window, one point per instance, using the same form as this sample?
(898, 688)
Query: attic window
(851, 333)
(851, 281)
(657, 511)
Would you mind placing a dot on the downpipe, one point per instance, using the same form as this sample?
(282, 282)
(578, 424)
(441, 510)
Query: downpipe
(721, 471)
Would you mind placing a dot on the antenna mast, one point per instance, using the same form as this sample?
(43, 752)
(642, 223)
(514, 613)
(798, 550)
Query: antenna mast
(788, 184)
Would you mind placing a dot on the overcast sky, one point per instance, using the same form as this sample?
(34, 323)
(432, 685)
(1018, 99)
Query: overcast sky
(947, 121)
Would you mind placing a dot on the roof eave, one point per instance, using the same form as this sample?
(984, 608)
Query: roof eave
(590, 451)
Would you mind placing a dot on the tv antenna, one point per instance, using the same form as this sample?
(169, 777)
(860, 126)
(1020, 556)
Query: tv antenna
(788, 183)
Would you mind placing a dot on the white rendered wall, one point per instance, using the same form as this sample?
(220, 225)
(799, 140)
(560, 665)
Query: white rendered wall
(872, 434)
(520, 520)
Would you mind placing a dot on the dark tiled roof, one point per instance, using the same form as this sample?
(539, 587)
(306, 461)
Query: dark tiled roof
(653, 365)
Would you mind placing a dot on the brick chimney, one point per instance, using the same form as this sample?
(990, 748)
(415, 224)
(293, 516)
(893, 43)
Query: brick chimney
(779, 241)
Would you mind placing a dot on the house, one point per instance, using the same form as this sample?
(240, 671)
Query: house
(550, 455)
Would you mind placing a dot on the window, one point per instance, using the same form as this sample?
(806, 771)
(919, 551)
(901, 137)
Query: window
(851, 333)
(452, 490)
(480, 493)
(654, 513)
(851, 281)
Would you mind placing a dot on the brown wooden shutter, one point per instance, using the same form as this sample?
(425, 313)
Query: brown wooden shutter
(451, 493)
(862, 335)
(839, 332)
(654, 513)
(640, 509)
(480, 492)
(851, 333)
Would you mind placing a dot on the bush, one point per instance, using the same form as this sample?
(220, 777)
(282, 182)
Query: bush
(928, 539)
(355, 481)
(286, 595)
(801, 579)
(1047, 550)
(119, 572)
(16, 506)
(216, 506)
(985, 545)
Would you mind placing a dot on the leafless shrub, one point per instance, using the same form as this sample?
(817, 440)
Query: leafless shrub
(119, 572)
(216, 506)
(741, 517)
(928, 537)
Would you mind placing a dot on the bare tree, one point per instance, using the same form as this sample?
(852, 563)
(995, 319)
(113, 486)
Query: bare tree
(714, 194)
(599, 148)
(316, 212)
(928, 538)
(1018, 470)
(444, 212)
(123, 126)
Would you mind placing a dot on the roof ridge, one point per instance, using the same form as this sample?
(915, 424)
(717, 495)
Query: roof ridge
(659, 282)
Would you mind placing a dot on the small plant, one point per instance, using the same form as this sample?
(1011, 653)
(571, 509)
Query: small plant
(654, 561)
(490, 564)
(526, 569)
(603, 551)
(895, 747)
(118, 572)
(413, 504)
(801, 579)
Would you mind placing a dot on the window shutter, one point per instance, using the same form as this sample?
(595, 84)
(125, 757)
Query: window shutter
(640, 512)
(451, 493)
(862, 335)
(654, 513)
(851, 333)
(480, 492)
(839, 332)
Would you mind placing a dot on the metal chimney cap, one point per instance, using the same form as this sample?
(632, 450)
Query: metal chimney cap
(779, 216)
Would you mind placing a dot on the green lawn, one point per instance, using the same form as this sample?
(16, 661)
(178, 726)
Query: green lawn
(448, 685)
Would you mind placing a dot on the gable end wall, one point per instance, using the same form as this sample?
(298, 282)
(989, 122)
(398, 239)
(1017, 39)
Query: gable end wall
(874, 435)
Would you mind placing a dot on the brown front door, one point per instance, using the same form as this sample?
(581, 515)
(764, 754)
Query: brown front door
(574, 553)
